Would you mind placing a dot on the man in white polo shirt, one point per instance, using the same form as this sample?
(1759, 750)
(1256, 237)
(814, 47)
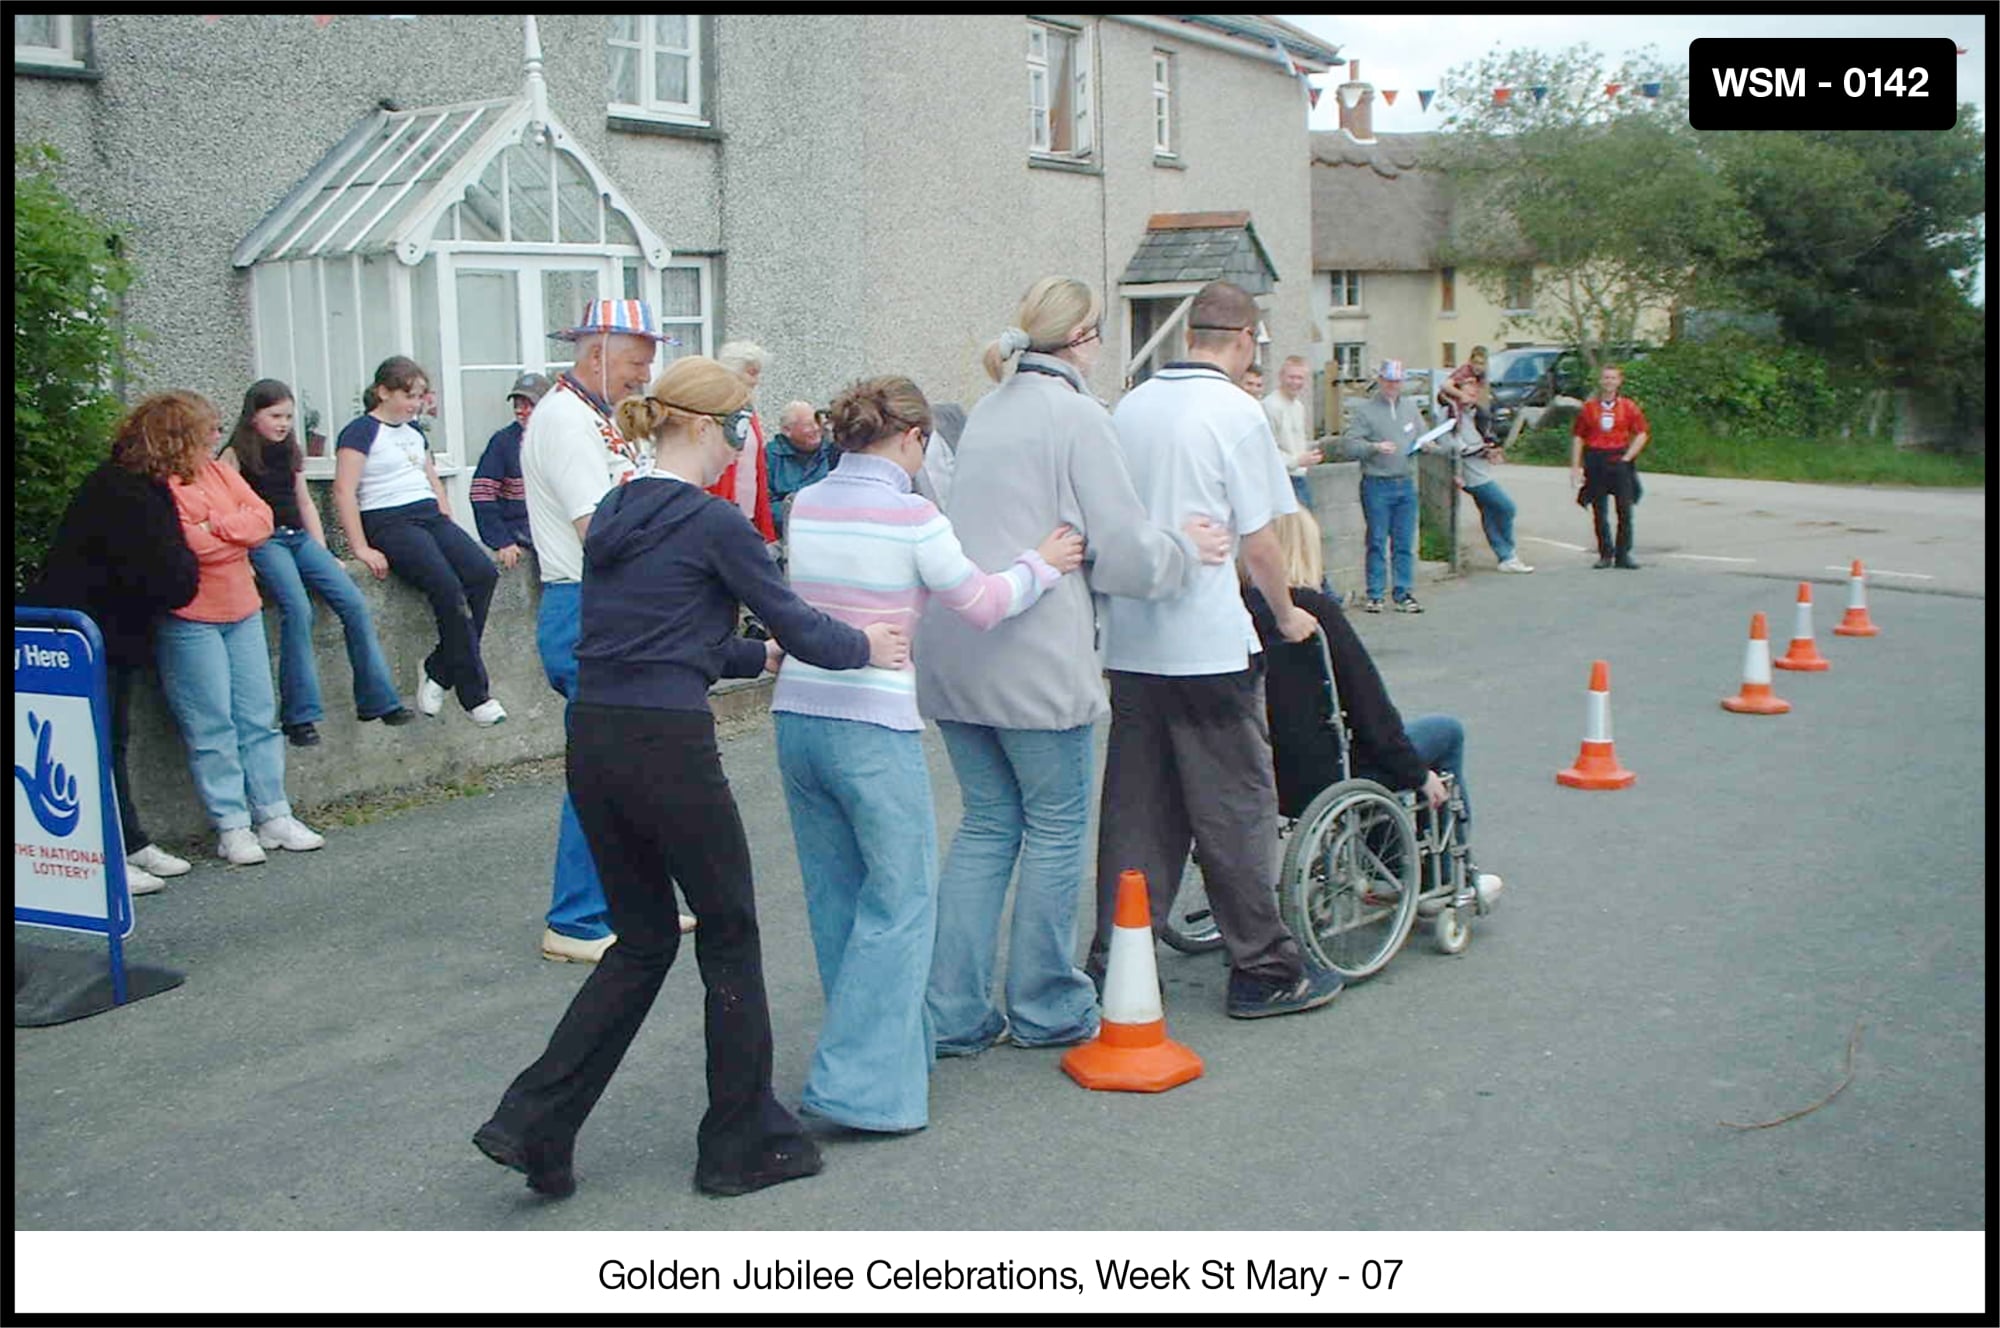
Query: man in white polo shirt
(571, 456)
(1190, 753)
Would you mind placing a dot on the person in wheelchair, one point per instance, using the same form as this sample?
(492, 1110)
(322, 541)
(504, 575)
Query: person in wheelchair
(1305, 750)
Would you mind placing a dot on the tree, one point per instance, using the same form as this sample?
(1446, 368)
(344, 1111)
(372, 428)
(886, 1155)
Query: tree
(68, 347)
(1609, 199)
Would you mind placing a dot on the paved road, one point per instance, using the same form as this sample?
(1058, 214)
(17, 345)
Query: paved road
(1695, 949)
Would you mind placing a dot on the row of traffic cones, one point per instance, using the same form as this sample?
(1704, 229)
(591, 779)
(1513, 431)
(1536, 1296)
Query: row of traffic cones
(1597, 765)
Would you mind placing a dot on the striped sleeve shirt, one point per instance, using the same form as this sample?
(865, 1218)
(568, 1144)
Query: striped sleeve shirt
(865, 549)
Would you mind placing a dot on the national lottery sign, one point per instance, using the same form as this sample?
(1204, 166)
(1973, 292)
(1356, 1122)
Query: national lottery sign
(69, 861)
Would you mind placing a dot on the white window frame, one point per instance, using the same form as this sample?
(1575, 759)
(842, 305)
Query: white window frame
(1350, 361)
(1344, 288)
(65, 54)
(1083, 118)
(1163, 104)
(649, 106)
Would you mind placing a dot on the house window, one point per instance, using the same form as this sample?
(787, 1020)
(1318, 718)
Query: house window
(1450, 357)
(1448, 290)
(656, 66)
(1520, 290)
(49, 41)
(1163, 104)
(1346, 289)
(1059, 120)
(1350, 360)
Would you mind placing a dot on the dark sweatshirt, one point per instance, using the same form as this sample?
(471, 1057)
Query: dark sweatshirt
(664, 567)
(120, 557)
(1304, 752)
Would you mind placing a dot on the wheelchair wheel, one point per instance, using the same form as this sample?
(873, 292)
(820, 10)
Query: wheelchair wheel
(1189, 925)
(1349, 885)
(1451, 932)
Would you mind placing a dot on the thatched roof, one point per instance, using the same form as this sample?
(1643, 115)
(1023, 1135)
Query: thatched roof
(1375, 208)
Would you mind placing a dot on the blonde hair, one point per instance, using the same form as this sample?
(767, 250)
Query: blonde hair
(1053, 308)
(873, 409)
(735, 355)
(1299, 543)
(690, 388)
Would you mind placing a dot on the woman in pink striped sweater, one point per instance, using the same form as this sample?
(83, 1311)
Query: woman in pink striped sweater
(865, 548)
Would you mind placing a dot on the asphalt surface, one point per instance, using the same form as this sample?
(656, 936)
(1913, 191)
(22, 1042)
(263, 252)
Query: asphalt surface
(1696, 949)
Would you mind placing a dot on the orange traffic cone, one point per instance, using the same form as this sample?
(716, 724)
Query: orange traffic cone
(1802, 653)
(1596, 763)
(1857, 622)
(1131, 1052)
(1756, 697)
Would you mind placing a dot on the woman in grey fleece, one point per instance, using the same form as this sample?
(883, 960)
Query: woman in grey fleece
(1016, 704)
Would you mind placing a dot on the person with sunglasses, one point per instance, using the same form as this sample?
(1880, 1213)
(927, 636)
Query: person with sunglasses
(666, 567)
(572, 454)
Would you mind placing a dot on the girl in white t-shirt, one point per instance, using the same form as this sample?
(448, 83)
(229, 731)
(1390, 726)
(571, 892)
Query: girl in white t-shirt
(394, 510)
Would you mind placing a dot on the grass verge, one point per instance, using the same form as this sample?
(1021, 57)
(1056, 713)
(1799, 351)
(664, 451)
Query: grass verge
(1679, 450)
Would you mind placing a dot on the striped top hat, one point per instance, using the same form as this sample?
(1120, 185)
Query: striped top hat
(1391, 371)
(632, 318)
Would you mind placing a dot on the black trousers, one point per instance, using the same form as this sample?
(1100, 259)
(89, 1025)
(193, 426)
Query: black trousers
(657, 811)
(455, 574)
(121, 678)
(1609, 480)
(1189, 760)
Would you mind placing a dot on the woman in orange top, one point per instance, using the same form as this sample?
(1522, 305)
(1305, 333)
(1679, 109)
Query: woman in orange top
(214, 665)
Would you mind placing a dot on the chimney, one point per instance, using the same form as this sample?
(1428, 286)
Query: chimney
(1356, 105)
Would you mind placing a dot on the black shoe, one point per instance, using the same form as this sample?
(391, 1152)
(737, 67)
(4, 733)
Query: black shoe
(302, 735)
(547, 1168)
(1625, 561)
(1602, 563)
(792, 1161)
(396, 718)
(1253, 998)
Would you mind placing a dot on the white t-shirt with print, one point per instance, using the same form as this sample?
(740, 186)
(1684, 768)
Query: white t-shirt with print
(567, 467)
(392, 475)
(1194, 442)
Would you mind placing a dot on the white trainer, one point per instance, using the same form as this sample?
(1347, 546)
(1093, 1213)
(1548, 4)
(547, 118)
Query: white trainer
(239, 848)
(1487, 887)
(488, 713)
(430, 696)
(289, 832)
(158, 861)
(1515, 564)
(140, 881)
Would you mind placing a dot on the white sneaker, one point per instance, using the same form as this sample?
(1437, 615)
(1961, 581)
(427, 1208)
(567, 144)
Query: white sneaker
(1487, 887)
(140, 881)
(1515, 564)
(158, 861)
(239, 848)
(488, 713)
(289, 832)
(430, 696)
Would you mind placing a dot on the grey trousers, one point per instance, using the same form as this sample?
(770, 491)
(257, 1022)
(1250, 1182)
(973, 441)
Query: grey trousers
(1189, 759)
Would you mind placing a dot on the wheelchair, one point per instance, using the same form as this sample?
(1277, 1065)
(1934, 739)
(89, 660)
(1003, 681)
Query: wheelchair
(1361, 865)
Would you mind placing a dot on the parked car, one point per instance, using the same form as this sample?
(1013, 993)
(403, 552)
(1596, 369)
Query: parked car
(1521, 378)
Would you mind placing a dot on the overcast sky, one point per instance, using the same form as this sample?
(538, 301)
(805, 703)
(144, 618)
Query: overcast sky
(1411, 51)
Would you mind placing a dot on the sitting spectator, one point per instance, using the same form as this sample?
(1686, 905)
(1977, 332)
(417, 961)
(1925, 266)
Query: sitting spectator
(850, 750)
(499, 494)
(1252, 381)
(396, 516)
(264, 449)
(118, 556)
(214, 665)
(1466, 391)
(1305, 754)
(797, 457)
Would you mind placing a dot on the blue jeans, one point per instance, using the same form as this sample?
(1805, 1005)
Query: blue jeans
(860, 801)
(289, 564)
(217, 680)
(1390, 508)
(1302, 491)
(1496, 514)
(1440, 740)
(1026, 794)
(576, 897)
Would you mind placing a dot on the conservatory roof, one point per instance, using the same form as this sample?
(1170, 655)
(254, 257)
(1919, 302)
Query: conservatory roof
(385, 187)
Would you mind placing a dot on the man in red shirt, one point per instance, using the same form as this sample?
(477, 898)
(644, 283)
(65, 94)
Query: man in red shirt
(1610, 433)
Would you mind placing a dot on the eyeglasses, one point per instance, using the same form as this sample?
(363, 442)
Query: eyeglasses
(1256, 332)
(1093, 333)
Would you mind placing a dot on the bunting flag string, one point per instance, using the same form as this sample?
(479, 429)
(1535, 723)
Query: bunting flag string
(1501, 96)
(1611, 89)
(1540, 91)
(1424, 96)
(1350, 95)
(1649, 89)
(1389, 95)
(1312, 95)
